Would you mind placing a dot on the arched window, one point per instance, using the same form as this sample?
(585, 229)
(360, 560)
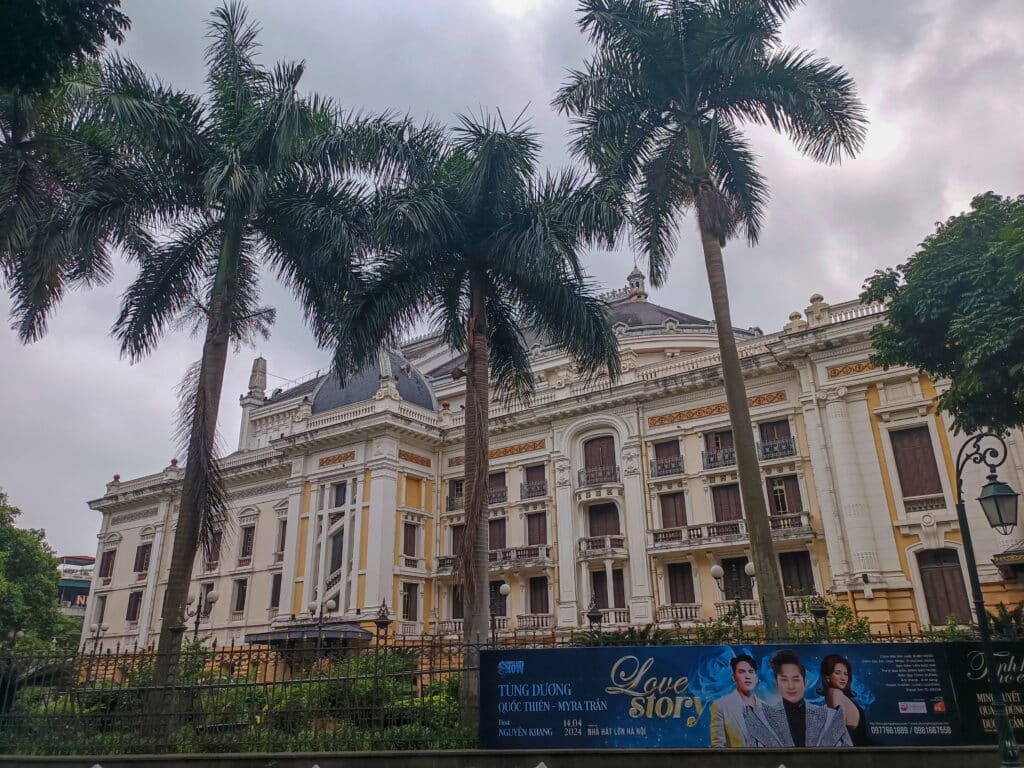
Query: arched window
(942, 580)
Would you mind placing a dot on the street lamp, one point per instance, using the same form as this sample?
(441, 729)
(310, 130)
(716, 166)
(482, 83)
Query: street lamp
(206, 602)
(13, 636)
(718, 574)
(594, 615)
(999, 502)
(504, 591)
(97, 631)
(319, 610)
(819, 612)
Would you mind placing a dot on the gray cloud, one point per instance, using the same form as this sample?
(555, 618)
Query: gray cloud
(940, 79)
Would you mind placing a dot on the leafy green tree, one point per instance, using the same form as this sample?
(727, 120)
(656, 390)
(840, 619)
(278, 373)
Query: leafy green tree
(28, 582)
(954, 311)
(45, 39)
(659, 111)
(478, 243)
(252, 174)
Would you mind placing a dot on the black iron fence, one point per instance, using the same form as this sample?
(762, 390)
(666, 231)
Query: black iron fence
(400, 694)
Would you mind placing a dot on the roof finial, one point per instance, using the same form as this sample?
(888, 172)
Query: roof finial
(636, 287)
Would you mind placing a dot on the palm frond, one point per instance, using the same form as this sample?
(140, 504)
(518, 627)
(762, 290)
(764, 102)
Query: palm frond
(167, 281)
(734, 167)
(511, 374)
(665, 190)
(503, 156)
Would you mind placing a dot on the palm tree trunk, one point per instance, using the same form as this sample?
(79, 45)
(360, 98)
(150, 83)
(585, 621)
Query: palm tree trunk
(773, 606)
(198, 467)
(475, 581)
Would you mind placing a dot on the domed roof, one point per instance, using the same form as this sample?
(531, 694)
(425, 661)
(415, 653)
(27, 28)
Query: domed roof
(363, 385)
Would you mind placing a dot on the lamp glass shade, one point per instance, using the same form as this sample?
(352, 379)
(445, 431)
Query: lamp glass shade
(312, 606)
(331, 606)
(749, 569)
(999, 502)
(594, 616)
(717, 571)
(212, 597)
(504, 590)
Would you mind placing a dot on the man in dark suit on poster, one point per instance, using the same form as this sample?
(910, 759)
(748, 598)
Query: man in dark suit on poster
(793, 722)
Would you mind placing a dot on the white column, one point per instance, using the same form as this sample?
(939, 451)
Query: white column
(90, 604)
(566, 610)
(381, 535)
(849, 482)
(291, 547)
(149, 598)
(640, 599)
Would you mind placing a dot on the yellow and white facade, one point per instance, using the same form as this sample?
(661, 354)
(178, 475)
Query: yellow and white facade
(618, 494)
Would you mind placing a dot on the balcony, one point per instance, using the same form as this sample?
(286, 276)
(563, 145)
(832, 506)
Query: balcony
(786, 526)
(601, 547)
(449, 627)
(409, 628)
(530, 621)
(723, 457)
(519, 557)
(598, 475)
(497, 495)
(455, 502)
(776, 449)
(679, 612)
(609, 617)
(534, 489)
(671, 465)
(446, 563)
(924, 503)
(751, 609)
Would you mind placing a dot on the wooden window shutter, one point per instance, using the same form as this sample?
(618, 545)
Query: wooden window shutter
(667, 450)
(496, 533)
(797, 574)
(915, 462)
(604, 520)
(673, 510)
(539, 594)
(726, 499)
(680, 583)
(537, 528)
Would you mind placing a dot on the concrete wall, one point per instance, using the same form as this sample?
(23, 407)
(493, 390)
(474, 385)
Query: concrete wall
(947, 757)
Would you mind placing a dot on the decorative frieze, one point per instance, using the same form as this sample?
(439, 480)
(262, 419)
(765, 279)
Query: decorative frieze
(257, 490)
(415, 458)
(508, 450)
(716, 409)
(849, 369)
(131, 517)
(338, 458)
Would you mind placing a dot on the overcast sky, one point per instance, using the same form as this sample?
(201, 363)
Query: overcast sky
(941, 80)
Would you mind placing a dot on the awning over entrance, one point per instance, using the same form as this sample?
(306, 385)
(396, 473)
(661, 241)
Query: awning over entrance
(308, 631)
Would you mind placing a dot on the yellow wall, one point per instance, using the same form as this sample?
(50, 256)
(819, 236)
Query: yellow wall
(300, 554)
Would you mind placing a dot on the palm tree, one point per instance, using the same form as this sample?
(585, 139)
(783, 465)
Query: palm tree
(658, 111)
(477, 243)
(253, 174)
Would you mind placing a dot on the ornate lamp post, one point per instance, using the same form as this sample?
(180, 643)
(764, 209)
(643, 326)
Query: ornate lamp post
(819, 612)
(503, 591)
(97, 631)
(13, 636)
(319, 610)
(999, 503)
(594, 615)
(382, 621)
(718, 574)
(206, 602)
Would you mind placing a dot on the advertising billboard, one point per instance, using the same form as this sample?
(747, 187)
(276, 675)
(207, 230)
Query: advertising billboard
(759, 696)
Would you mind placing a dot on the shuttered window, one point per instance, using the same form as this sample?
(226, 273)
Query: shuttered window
(667, 450)
(248, 540)
(107, 564)
(535, 474)
(498, 601)
(142, 555)
(717, 441)
(409, 531)
(673, 509)
(797, 575)
(537, 528)
(410, 602)
(282, 533)
(241, 591)
(943, 583)
(726, 500)
(496, 481)
(603, 519)
(680, 583)
(915, 462)
(539, 594)
(458, 531)
(599, 452)
(217, 540)
(456, 601)
(275, 590)
(134, 606)
(496, 533)
(772, 431)
(599, 580)
(784, 495)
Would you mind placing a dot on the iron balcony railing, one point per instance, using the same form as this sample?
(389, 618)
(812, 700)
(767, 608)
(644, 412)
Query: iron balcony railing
(670, 465)
(519, 556)
(599, 475)
(533, 489)
(497, 495)
(723, 457)
(455, 502)
(776, 449)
